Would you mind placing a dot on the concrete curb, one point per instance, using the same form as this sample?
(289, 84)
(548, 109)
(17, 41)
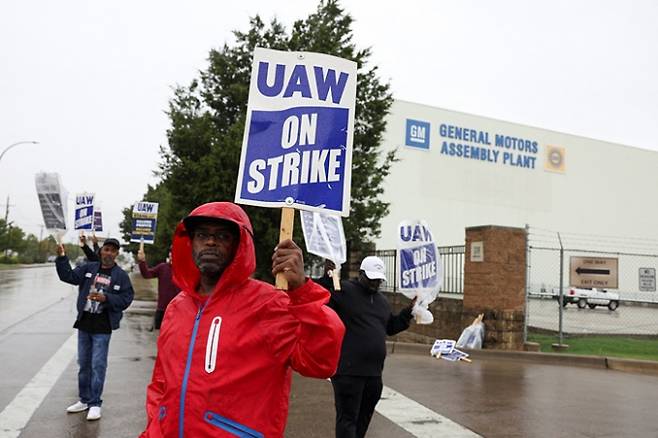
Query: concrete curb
(601, 362)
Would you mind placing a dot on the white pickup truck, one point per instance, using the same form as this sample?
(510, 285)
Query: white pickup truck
(589, 297)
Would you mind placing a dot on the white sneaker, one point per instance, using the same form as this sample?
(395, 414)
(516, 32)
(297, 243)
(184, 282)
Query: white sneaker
(77, 407)
(94, 413)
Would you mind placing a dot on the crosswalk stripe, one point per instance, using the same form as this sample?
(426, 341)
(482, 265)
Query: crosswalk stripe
(19, 411)
(416, 419)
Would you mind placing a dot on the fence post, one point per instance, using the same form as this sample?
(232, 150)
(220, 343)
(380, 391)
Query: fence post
(395, 271)
(527, 283)
(561, 296)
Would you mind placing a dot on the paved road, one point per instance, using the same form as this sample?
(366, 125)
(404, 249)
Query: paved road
(492, 398)
(544, 313)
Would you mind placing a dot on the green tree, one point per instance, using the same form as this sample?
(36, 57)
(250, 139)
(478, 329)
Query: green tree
(207, 117)
(11, 237)
(31, 250)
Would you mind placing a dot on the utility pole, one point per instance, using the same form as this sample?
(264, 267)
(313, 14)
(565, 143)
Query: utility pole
(41, 243)
(7, 211)
(7, 227)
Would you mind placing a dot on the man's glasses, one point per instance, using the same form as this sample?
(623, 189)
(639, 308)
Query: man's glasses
(220, 236)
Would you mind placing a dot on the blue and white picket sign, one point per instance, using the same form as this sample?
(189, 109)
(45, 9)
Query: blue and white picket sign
(442, 346)
(419, 265)
(84, 212)
(145, 222)
(52, 199)
(98, 221)
(297, 146)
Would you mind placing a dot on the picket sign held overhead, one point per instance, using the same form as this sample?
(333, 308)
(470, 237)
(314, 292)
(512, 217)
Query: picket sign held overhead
(145, 222)
(84, 211)
(98, 221)
(297, 145)
(325, 237)
(418, 261)
(419, 266)
(52, 199)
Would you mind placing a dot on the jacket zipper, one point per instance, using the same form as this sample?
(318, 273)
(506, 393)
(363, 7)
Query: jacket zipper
(231, 426)
(212, 344)
(188, 366)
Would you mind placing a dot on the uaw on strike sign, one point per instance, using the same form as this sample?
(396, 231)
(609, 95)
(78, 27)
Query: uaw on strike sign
(145, 222)
(297, 146)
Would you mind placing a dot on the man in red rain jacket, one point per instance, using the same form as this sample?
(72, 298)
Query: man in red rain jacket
(229, 343)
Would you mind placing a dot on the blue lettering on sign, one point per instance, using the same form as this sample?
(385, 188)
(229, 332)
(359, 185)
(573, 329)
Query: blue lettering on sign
(84, 200)
(418, 134)
(290, 154)
(147, 208)
(299, 84)
(418, 267)
(463, 143)
(415, 234)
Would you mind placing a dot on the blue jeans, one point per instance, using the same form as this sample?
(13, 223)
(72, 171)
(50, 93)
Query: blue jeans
(92, 359)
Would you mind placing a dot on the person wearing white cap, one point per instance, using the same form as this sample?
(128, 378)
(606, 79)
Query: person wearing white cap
(368, 320)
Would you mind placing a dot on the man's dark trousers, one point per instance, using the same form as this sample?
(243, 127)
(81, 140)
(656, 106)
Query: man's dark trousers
(355, 398)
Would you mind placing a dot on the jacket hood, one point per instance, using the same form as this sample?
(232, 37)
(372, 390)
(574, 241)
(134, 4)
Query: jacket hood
(186, 275)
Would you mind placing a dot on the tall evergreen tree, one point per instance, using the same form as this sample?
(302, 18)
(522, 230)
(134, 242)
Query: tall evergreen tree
(207, 124)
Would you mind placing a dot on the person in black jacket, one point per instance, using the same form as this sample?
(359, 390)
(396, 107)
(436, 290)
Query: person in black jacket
(368, 320)
(92, 256)
(104, 292)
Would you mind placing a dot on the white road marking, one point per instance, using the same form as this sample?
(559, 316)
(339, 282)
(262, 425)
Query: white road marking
(416, 419)
(17, 413)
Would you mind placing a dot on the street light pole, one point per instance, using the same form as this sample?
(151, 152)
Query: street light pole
(8, 227)
(16, 144)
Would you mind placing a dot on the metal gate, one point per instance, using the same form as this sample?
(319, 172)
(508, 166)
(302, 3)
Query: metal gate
(452, 261)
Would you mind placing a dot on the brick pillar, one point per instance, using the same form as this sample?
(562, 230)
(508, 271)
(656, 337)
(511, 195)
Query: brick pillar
(494, 283)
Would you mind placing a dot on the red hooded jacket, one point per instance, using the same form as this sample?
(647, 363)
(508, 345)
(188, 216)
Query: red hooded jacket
(223, 368)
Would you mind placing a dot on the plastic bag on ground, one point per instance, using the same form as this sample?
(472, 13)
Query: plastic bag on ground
(473, 335)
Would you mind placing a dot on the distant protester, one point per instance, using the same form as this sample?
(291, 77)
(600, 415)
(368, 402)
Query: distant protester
(167, 290)
(91, 255)
(104, 292)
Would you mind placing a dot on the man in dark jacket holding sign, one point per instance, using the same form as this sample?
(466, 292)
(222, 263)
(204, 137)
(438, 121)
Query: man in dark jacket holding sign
(104, 292)
(368, 320)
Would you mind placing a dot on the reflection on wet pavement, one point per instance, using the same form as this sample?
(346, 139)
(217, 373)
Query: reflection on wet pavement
(26, 291)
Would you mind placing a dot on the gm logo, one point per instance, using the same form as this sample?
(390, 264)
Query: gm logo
(418, 134)
(555, 158)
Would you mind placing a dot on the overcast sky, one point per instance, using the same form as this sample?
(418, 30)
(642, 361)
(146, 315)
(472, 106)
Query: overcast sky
(90, 80)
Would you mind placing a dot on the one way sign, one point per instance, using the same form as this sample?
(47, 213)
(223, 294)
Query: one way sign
(600, 272)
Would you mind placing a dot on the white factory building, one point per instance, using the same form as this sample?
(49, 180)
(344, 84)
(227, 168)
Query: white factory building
(457, 170)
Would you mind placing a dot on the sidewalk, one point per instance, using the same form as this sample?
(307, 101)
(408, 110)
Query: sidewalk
(601, 362)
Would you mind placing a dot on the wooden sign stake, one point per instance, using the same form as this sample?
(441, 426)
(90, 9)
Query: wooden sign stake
(285, 232)
(335, 276)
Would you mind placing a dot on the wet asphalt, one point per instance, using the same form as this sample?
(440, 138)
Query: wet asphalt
(493, 397)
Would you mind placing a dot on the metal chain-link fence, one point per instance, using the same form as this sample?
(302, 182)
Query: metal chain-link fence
(608, 284)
